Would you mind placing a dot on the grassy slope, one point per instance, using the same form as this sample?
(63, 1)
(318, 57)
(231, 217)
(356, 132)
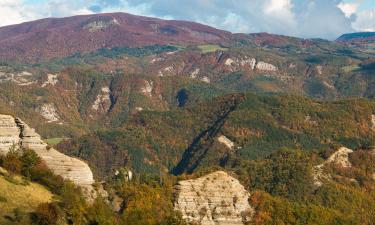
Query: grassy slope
(25, 197)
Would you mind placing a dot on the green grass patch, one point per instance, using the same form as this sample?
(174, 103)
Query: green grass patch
(54, 141)
(211, 48)
(350, 68)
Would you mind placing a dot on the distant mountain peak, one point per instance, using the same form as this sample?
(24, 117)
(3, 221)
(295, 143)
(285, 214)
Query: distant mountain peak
(60, 37)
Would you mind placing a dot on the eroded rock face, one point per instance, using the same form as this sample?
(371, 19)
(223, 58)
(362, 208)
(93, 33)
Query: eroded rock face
(339, 158)
(22, 79)
(49, 112)
(51, 80)
(100, 24)
(214, 199)
(9, 133)
(224, 140)
(103, 100)
(14, 132)
(147, 88)
(265, 66)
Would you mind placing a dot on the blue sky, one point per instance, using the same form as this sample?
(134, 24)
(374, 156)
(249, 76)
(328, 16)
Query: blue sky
(302, 18)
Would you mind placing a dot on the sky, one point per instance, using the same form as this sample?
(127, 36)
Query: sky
(326, 19)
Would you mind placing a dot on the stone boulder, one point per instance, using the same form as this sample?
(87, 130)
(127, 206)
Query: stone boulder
(214, 199)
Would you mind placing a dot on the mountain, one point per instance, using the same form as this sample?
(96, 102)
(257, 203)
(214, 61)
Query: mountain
(151, 110)
(357, 37)
(51, 38)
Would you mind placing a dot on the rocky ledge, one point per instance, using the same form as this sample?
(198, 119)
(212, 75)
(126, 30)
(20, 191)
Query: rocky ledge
(14, 132)
(214, 199)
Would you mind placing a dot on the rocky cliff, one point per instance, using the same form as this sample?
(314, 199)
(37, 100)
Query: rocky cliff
(14, 132)
(214, 199)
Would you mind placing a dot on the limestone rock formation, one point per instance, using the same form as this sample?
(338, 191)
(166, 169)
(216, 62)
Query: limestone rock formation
(14, 132)
(100, 24)
(9, 133)
(214, 199)
(103, 100)
(244, 62)
(265, 66)
(147, 88)
(224, 140)
(51, 80)
(340, 158)
(49, 112)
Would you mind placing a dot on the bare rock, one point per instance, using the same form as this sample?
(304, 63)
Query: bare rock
(49, 112)
(341, 157)
(103, 100)
(9, 133)
(265, 66)
(147, 88)
(224, 140)
(98, 25)
(51, 80)
(195, 73)
(214, 199)
(206, 79)
(14, 132)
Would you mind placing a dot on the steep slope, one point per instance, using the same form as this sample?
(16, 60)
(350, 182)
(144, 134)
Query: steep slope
(50, 38)
(15, 133)
(15, 195)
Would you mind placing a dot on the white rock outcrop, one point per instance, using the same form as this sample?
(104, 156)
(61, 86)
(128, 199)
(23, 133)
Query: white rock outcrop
(319, 69)
(14, 132)
(49, 112)
(100, 24)
(214, 199)
(265, 66)
(229, 62)
(103, 100)
(241, 62)
(147, 88)
(51, 80)
(224, 140)
(22, 79)
(9, 133)
(373, 122)
(195, 73)
(340, 158)
(206, 79)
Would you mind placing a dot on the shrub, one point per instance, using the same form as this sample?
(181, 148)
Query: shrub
(45, 214)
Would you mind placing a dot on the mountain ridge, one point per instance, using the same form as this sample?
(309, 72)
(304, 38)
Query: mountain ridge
(61, 37)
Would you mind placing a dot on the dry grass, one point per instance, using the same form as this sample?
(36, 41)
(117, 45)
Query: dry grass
(17, 195)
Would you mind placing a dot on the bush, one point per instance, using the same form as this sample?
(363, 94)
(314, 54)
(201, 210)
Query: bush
(45, 214)
(41, 174)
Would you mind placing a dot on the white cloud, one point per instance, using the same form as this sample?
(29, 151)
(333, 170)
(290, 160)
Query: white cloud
(14, 11)
(348, 9)
(365, 21)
